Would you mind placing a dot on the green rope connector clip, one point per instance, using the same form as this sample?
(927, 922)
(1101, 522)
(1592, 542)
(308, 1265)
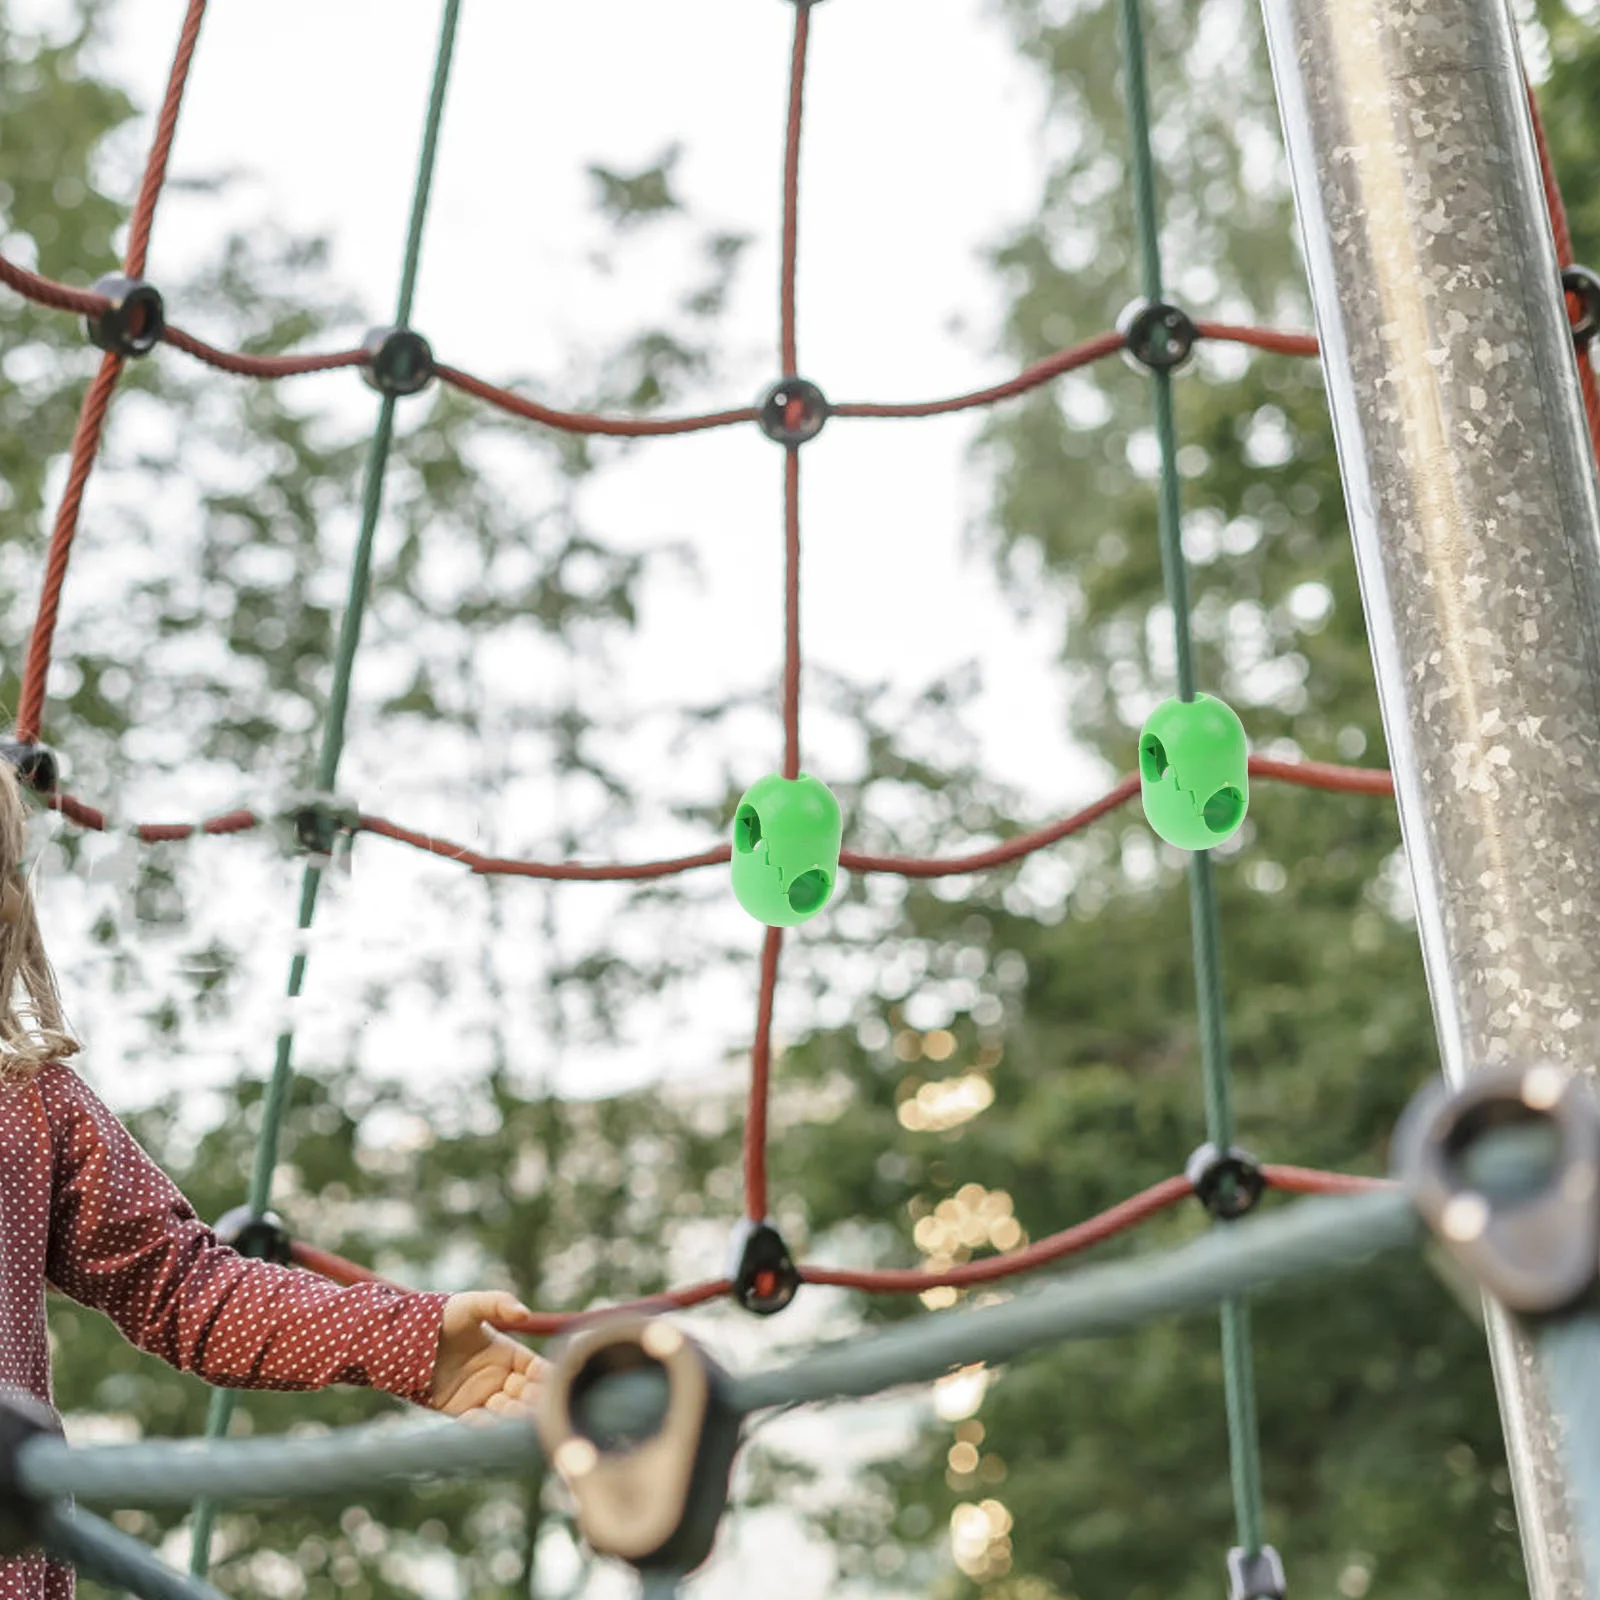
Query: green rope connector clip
(1194, 765)
(787, 834)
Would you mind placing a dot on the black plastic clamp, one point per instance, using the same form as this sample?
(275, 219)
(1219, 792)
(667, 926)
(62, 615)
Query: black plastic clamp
(764, 1275)
(1228, 1184)
(323, 827)
(793, 411)
(22, 1417)
(1583, 285)
(36, 764)
(399, 361)
(637, 1419)
(1157, 334)
(265, 1238)
(133, 323)
(1257, 1577)
(1505, 1170)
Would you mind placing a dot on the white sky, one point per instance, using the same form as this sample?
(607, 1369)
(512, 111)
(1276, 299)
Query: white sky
(922, 147)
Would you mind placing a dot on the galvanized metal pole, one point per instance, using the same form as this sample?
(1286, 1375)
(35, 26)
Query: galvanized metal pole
(1475, 514)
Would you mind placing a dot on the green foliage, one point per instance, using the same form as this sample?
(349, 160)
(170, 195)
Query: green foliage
(1069, 1000)
(207, 653)
(628, 199)
(1567, 104)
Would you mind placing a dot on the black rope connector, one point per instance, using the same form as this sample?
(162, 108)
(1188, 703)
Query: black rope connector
(22, 1417)
(764, 1275)
(1228, 1185)
(36, 764)
(793, 410)
(399, 361)
(1257, 1577)
(1158, 335)
(133, 323)
(263, 1238)
(1583, 285)
(324, 828)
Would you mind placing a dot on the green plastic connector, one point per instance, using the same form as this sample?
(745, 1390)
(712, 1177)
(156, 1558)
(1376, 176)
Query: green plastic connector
(787, 834)
(1194, 767)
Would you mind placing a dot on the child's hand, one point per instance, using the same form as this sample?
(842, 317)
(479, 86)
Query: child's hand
(479, 1370)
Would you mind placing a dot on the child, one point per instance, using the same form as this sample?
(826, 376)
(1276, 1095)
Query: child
(84, 1208)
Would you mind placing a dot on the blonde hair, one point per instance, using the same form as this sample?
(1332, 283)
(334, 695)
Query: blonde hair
(33, 1031)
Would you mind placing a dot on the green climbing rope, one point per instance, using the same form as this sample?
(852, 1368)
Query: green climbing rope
(1244, 1446)
(275, 1100)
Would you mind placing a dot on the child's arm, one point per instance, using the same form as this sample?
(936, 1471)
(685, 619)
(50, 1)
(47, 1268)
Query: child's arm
(125, 1241)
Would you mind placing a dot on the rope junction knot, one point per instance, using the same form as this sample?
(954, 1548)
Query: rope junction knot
(398, 361)
(322, 828)
(1229, 1184)
(793, 411)
(1157, 335)
(133, 320)
(764, 1276)
(1582, 288)
(36, 764)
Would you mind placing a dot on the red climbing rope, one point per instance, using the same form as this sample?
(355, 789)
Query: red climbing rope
(91, 419)
(260, 366)
(1118, 1219)
(788, 355)
(1304, 774)
(1041, 372)
(155, 168)
(1564, 258)
(1107, 1224)
(1311, 1180)
(755, 1127)
(583, 422)
(62, 297)
(85, 447)
(791, 611)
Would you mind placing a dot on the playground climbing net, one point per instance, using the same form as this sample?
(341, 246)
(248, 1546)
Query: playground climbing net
(633, 1397)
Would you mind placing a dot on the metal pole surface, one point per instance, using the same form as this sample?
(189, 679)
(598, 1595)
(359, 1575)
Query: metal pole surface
(1475, 515)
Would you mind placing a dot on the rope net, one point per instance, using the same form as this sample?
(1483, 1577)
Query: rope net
(95, 1545)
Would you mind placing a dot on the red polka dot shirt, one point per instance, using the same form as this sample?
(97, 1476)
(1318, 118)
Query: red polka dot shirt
(84, 1208)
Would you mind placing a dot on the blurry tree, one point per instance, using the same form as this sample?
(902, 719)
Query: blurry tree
(224, 508)
(1030, 1054)
(1034, 1054)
